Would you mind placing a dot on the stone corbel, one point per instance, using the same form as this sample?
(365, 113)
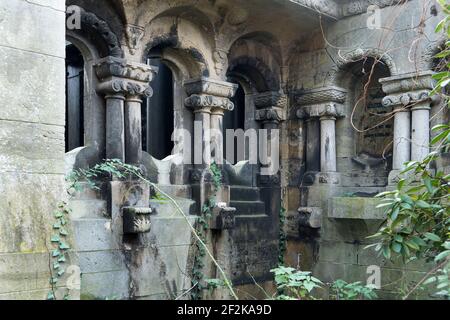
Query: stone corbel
(134, 35)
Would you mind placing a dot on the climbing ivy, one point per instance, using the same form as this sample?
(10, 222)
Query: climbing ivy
(114, 168)
(59, 251)
(202, 230)
(282, 237)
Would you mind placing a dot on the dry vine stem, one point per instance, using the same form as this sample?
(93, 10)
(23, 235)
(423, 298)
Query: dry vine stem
(222, 272)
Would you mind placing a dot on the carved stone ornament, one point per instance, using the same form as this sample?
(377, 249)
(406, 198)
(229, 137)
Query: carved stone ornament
(136, 220)
(331, 109)
(134, 35)
(270, 99)
(116, 67)
(360, 6)
(201, 101)
(319, 95)
(406, 99)
(407, 89)
(118, 76)
(325, 7)
(270, 115)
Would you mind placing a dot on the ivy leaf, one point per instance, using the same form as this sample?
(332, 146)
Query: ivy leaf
(55, 253)
(433, 237)
(62, 259)
(64, 246)
(396, 247)
(50, 296)
(55, 238)
(63, 232)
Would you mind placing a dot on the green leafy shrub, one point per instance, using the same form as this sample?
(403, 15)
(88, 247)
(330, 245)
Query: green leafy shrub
(341, 290)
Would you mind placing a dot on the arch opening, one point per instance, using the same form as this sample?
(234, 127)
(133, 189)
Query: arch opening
(371, 123)
(75, 78)
(158, 113)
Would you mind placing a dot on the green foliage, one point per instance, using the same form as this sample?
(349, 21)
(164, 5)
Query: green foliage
(111, 168)
(341, 290)
(202, 229)
(294, 284)
(282, 239)
(59, 251)
(418, 212)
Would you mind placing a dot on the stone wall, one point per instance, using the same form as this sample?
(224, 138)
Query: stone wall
(32, 90)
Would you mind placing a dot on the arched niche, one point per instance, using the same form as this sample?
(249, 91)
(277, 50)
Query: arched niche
(94, 40)
(364, 136)
(158, 113)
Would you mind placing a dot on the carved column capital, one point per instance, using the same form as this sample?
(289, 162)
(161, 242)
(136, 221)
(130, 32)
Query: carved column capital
(320, 102)
(275, 115)
(270, 99)
(117, 76)
(208, 93)
(408, 89)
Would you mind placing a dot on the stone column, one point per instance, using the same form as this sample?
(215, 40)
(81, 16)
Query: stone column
(408, 94)
(123, 85)
(133, 130)
(209, 99)
(217, 115)
(420, 134)
(312, 145)
(115, 132)
(270, 111)
(402, 136)
(270, 118)
(328, 144)
(321, 108)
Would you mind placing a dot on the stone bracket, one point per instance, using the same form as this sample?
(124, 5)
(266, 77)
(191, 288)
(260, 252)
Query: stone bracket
(136, 220)
(310, 217)
(223, 217)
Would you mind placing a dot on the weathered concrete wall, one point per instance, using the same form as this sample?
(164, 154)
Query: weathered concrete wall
(32, 90)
